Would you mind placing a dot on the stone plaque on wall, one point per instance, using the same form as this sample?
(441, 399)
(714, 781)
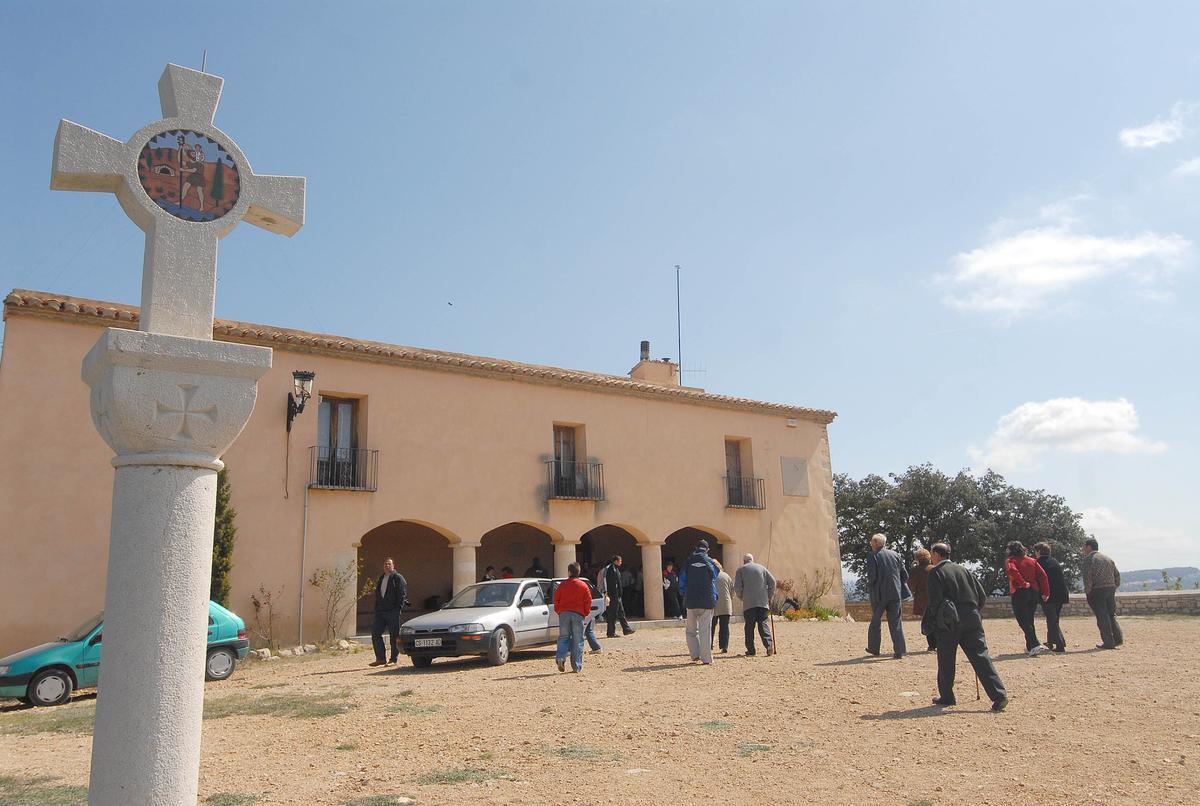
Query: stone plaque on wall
(795, 475)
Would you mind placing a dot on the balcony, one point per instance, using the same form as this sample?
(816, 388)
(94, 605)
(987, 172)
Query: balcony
(745, 492)
(580, 481)
(343, 468)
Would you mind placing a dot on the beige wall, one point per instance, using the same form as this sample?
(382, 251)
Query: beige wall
(460, 454)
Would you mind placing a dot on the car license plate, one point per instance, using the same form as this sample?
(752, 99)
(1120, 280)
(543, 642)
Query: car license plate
(424, 642)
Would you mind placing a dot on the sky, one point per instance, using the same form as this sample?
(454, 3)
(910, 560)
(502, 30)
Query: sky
(970, 229)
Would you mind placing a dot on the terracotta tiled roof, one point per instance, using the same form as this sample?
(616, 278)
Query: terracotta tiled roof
(111, 314)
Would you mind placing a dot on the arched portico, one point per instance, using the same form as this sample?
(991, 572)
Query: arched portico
(597, 547)
(682, 542)
(516, 545)
(422, 553)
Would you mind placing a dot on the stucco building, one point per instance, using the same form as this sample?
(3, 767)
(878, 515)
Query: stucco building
(446, 462)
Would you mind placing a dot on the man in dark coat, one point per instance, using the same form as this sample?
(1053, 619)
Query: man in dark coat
(955, 598)
(886, 578)
(390, 592)
(1059, 596)
(612, 589)
(699, 584)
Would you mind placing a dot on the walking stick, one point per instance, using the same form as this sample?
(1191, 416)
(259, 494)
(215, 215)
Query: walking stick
(976, 687)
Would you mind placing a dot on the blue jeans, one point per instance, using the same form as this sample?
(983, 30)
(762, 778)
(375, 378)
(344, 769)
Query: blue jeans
(589, 634)
(570, 638)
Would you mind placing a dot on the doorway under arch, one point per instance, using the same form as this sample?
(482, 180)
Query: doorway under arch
(682, 542)
(423, 557)
(516, 546)
(596, 548)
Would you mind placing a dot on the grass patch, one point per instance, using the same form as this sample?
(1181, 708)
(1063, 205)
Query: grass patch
(408, 692)
(377, 800)
(580, 752)
(346, 747)
(920, 803)
(415, 708)
(39, 791)
(746, 749)
(230, 799)
(717, 724)
(73, 718)
(463, 775)
(265, 685)
(818, 612)
(294, 706)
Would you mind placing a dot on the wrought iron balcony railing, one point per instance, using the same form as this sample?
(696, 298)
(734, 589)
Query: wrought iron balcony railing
(745, 492)
(578, 480)
(343, 468)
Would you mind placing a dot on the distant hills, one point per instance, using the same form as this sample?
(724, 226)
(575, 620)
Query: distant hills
(1151, 579)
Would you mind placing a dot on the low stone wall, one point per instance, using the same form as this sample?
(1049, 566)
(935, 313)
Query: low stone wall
(1145, 603)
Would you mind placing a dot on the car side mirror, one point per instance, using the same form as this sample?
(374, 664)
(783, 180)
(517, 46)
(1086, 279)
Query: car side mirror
(526, 603)
(99, 637)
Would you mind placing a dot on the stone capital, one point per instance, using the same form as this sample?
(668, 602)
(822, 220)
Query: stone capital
(169, 400)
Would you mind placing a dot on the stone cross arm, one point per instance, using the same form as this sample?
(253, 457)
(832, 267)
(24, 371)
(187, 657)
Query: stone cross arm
(187, 185)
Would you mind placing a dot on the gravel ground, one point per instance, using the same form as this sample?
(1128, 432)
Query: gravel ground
(818, 723)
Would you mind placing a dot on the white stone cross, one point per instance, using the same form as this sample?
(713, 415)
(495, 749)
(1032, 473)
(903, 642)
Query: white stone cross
(187, 185)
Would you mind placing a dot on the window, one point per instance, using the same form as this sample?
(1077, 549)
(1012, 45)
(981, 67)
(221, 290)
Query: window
(740, 485)
(534, 593)
(570, 474)
(337, 442)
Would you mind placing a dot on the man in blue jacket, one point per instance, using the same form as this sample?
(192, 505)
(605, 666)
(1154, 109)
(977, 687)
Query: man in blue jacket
(886, 578)
(698, 582)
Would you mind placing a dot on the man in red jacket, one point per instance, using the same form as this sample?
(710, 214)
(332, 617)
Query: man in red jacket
(573, 603)
(1028, 585)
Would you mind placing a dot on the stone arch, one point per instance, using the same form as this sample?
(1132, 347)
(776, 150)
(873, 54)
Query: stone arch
(598, 545)
(515, 545)
(423, 554)
(680, 543)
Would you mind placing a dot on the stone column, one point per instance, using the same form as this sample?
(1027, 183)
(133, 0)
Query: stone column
(464, 565)
(652, 580)
(564, 555)
(168, 406)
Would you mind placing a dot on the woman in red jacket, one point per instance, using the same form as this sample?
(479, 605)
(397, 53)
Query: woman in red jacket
(1028, 586)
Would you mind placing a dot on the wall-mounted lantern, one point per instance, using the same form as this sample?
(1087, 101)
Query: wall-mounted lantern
(302, 380)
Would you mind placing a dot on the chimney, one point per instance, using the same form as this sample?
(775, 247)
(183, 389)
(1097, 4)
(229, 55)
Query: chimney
(662, 373)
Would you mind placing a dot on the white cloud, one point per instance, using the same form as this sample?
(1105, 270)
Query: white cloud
(1020, 273)
(1134, 545)
(1160, 131)
(1063, 425)
(1188, 167)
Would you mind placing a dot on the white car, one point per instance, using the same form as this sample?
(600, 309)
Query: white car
(489, 618)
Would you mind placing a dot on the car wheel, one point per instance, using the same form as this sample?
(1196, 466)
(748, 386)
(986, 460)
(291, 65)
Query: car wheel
(498, 647)
(220, 664)
(420, 662)
(50, 687)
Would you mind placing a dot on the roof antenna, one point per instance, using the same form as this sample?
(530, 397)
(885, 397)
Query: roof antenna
(678, 321)
(204, 61)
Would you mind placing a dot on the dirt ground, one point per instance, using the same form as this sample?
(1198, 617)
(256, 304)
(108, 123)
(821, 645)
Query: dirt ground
(818, 723)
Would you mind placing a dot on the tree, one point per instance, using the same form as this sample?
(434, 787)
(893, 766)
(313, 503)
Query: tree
(976, 516)
(224, 534)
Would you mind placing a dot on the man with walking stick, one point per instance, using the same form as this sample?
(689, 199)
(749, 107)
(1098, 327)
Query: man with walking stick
(755, 586)
(955, 597)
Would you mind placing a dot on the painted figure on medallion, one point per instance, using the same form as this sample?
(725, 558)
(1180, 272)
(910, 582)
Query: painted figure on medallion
(189, 175)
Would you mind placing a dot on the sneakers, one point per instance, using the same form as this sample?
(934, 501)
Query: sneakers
(1036, 650)
(561, 663)
(1000, 704)
(593, 651)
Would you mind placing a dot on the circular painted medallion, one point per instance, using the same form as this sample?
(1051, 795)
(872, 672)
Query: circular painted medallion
(189, 175)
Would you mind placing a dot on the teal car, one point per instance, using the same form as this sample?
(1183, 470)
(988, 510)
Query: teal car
(47, 674)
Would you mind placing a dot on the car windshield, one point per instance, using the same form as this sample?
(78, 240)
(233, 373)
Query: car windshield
(499, 594)
(81, 632)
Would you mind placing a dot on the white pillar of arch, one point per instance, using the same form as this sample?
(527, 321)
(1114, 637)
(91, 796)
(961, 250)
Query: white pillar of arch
(564, 555)
(464, 565)
(652, 592)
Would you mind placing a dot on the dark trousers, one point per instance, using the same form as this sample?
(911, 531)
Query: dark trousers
(1103, 602)
(969, 636)
(386, 620)
(757, 617)
(874, 631)
(1024, 607)
(1054, 636)
(615, 613)
(723, 623)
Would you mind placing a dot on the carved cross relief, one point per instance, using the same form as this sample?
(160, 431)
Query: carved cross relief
(186, 184)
